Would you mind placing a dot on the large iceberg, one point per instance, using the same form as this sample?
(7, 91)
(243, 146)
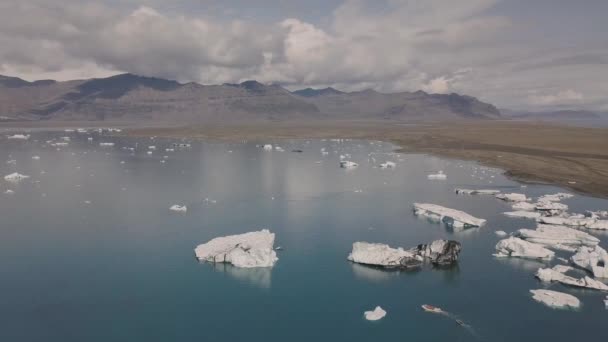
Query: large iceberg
(559, 237)
(516, 247)
(555, 299)
(253, 249)
(557, 273)
(379, 254)
(15, 177)
(593, 259)
(452, 217)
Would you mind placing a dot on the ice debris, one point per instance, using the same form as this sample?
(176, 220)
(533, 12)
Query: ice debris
(253, 249)
(452, 217)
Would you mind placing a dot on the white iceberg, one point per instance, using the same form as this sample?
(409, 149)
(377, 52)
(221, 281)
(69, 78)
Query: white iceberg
(513, 197)
(593, 259)
(267, 147)
(437, 176)
(18, 137)
(557, 274)
(15, 177)
(378, 254)
(555, 299)
(559, 237)
(515, 247)
(476, 192)
(376, 314)
(523, 214)
(345, 164)
(179, 208)
(388, 165)
(254, 249)
(452, 217)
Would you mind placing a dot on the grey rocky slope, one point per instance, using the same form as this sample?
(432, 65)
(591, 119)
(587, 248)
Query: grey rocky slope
(131, 97)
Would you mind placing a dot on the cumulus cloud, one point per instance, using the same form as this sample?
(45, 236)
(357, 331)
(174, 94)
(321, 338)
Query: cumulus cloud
(439, 46)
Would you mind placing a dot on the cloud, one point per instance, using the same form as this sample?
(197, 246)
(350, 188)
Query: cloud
(565, 97)
(441, 46)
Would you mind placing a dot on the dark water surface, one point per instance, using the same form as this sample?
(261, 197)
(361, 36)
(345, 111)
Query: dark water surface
(122, 267)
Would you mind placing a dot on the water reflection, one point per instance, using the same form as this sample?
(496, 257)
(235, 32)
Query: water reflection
(258, 276)
(378, 274)
(529, 265)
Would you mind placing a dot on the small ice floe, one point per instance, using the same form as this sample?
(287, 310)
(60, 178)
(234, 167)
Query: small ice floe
(516, 247)
(15, 177)
(149, 152)
(558, 237)
(437, 176)
(374, 315)
(267, 147)
(557, 274)
(513, 197)
(279, 149)
(59, 144)
(254, 249)
(523, 214)
(66, 138)
(432, 309)
(572, 221)
(525, 206)
(169, 150)
(438, 252)
(9, 192)
(11, 162)
(106, 144)
(36, 157)
(345, 164)
(555, 197)
(555, 299)
(388, 165)
(500, 233)
(593, 259)
(151, 147)
(476, 192)
(452, 217)
(179, 208)
(18, 137)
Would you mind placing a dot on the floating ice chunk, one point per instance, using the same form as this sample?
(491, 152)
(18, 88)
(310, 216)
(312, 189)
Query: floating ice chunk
(572, 221)
(558, 237)
(279, 149)
(379, 254)
(477, 192)
(526, 206)
(439, 252)
(59, 144)
(18, 137)
(555, 299)
(151, 147)
(345, 164)
(557, 274)
(523, 214)
(254, 249)
(599, 224)
(593, 259)
(376, 314)
(500, 233)
(179, 208)
(388, 165)
(106, 144)
(555, 197)
(515, 247)
(437, 176)
(452, 217)
(513, 197)
(15, 177)
(550, 206)
(9, 192)
(267, 147)
(36, 157)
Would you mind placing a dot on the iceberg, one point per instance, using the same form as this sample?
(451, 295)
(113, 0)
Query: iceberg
(476, 192)
(15, 177)
(557, 274)
(513, 197)
(516, 247)
(593, 259)
(253, 249)
(378, 254)
(179, 208)
(523, 214)
(345, 164)
(388, 165)
(558, 237)
(555, 299)
(452, 217)
(267, 147)
(439, 176)
(439, 252)
(376, 314)
(18, 137)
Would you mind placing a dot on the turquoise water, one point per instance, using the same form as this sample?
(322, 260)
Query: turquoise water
(122, 267)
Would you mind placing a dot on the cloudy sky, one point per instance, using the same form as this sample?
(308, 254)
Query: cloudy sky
(521, 54)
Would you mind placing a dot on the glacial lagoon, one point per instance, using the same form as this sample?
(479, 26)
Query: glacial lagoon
(91, 252)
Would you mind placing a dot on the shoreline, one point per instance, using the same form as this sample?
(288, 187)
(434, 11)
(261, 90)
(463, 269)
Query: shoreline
(575, 158)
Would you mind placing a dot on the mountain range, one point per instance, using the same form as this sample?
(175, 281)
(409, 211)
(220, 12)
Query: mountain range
(130, 97)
